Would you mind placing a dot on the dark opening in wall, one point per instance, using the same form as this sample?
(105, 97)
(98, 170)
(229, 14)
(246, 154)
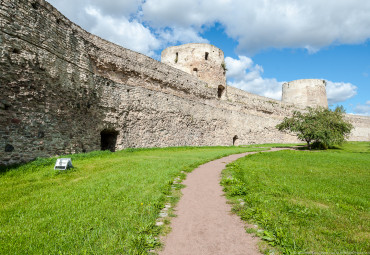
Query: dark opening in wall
(108, 140)
(220, 91)
(177, 57)
(206, 55)
(9, 148)
(4, 105)
(234, 139)
(195, 71)
(41, 134)
(16, 51)
(35, 6)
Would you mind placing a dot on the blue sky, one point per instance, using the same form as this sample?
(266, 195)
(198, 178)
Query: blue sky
(266, 42)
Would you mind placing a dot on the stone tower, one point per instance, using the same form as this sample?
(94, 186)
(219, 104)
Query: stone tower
(306, 92)
(202, 60)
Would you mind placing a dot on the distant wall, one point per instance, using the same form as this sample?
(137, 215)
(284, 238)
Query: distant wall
(306, 92)
(61, 87)
(361, 130)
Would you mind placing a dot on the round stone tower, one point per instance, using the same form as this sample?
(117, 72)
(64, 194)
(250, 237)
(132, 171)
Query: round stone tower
(202, 60)
(306, 92)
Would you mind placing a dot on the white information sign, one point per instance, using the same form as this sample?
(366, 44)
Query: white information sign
(63, 164)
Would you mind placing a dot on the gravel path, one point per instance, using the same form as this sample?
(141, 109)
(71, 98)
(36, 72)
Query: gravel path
(204, 223)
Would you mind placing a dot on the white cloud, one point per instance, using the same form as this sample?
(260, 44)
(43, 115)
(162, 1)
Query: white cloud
(244, 74)
(237, 68)
(256, 25)
(112, 20)
(181, 13)
(75, 11)
(339, 91)
(309, 24)
(116, 8)
(130, 34)
(363, 109)
(180, 35)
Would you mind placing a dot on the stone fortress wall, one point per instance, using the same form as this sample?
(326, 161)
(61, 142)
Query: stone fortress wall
(64, 90)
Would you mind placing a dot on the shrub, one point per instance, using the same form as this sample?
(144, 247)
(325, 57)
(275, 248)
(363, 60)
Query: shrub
(321, 126)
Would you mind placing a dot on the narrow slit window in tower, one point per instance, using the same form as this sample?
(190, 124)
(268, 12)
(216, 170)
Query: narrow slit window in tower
(206, 55)
(195, 72)
(220, 91)
(177, 57)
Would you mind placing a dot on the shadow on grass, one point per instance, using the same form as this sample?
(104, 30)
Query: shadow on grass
(4, 169)
(305, 148)
(335, 148)
(67, 171)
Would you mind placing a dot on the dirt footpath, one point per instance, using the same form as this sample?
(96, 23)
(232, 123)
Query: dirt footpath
(204, 223)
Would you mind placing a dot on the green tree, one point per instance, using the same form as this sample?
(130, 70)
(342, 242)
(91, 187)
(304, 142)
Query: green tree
(318, 126)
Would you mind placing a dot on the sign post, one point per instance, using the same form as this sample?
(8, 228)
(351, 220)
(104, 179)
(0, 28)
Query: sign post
(63, 164)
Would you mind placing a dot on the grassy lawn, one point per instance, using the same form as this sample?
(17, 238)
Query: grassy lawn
(107, 204)
(305, 201)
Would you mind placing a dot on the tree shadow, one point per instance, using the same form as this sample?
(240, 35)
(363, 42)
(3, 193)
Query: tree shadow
(7, 168)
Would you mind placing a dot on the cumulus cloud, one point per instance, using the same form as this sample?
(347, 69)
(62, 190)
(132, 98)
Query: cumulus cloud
(181, 13)
(116, 21)
(309, 24)
(339, 91)
(363, 109)
(130, 34)
(244, 74)
(116, 8)
(256, 25)
(180, 35)
(75, 11)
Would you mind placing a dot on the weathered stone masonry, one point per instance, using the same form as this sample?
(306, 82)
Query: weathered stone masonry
(64, 90)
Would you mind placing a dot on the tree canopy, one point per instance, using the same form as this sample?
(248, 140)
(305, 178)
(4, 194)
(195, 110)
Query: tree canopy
(319, 126)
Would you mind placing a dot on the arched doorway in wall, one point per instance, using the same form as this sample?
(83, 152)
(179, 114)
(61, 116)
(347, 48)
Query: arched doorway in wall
(108, 140)
(220, 91)
(234, 139)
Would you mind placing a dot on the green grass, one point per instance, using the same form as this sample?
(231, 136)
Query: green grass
(306, 201)
(107, 204)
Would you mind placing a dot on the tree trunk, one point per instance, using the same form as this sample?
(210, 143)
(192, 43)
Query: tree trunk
(308, 145)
